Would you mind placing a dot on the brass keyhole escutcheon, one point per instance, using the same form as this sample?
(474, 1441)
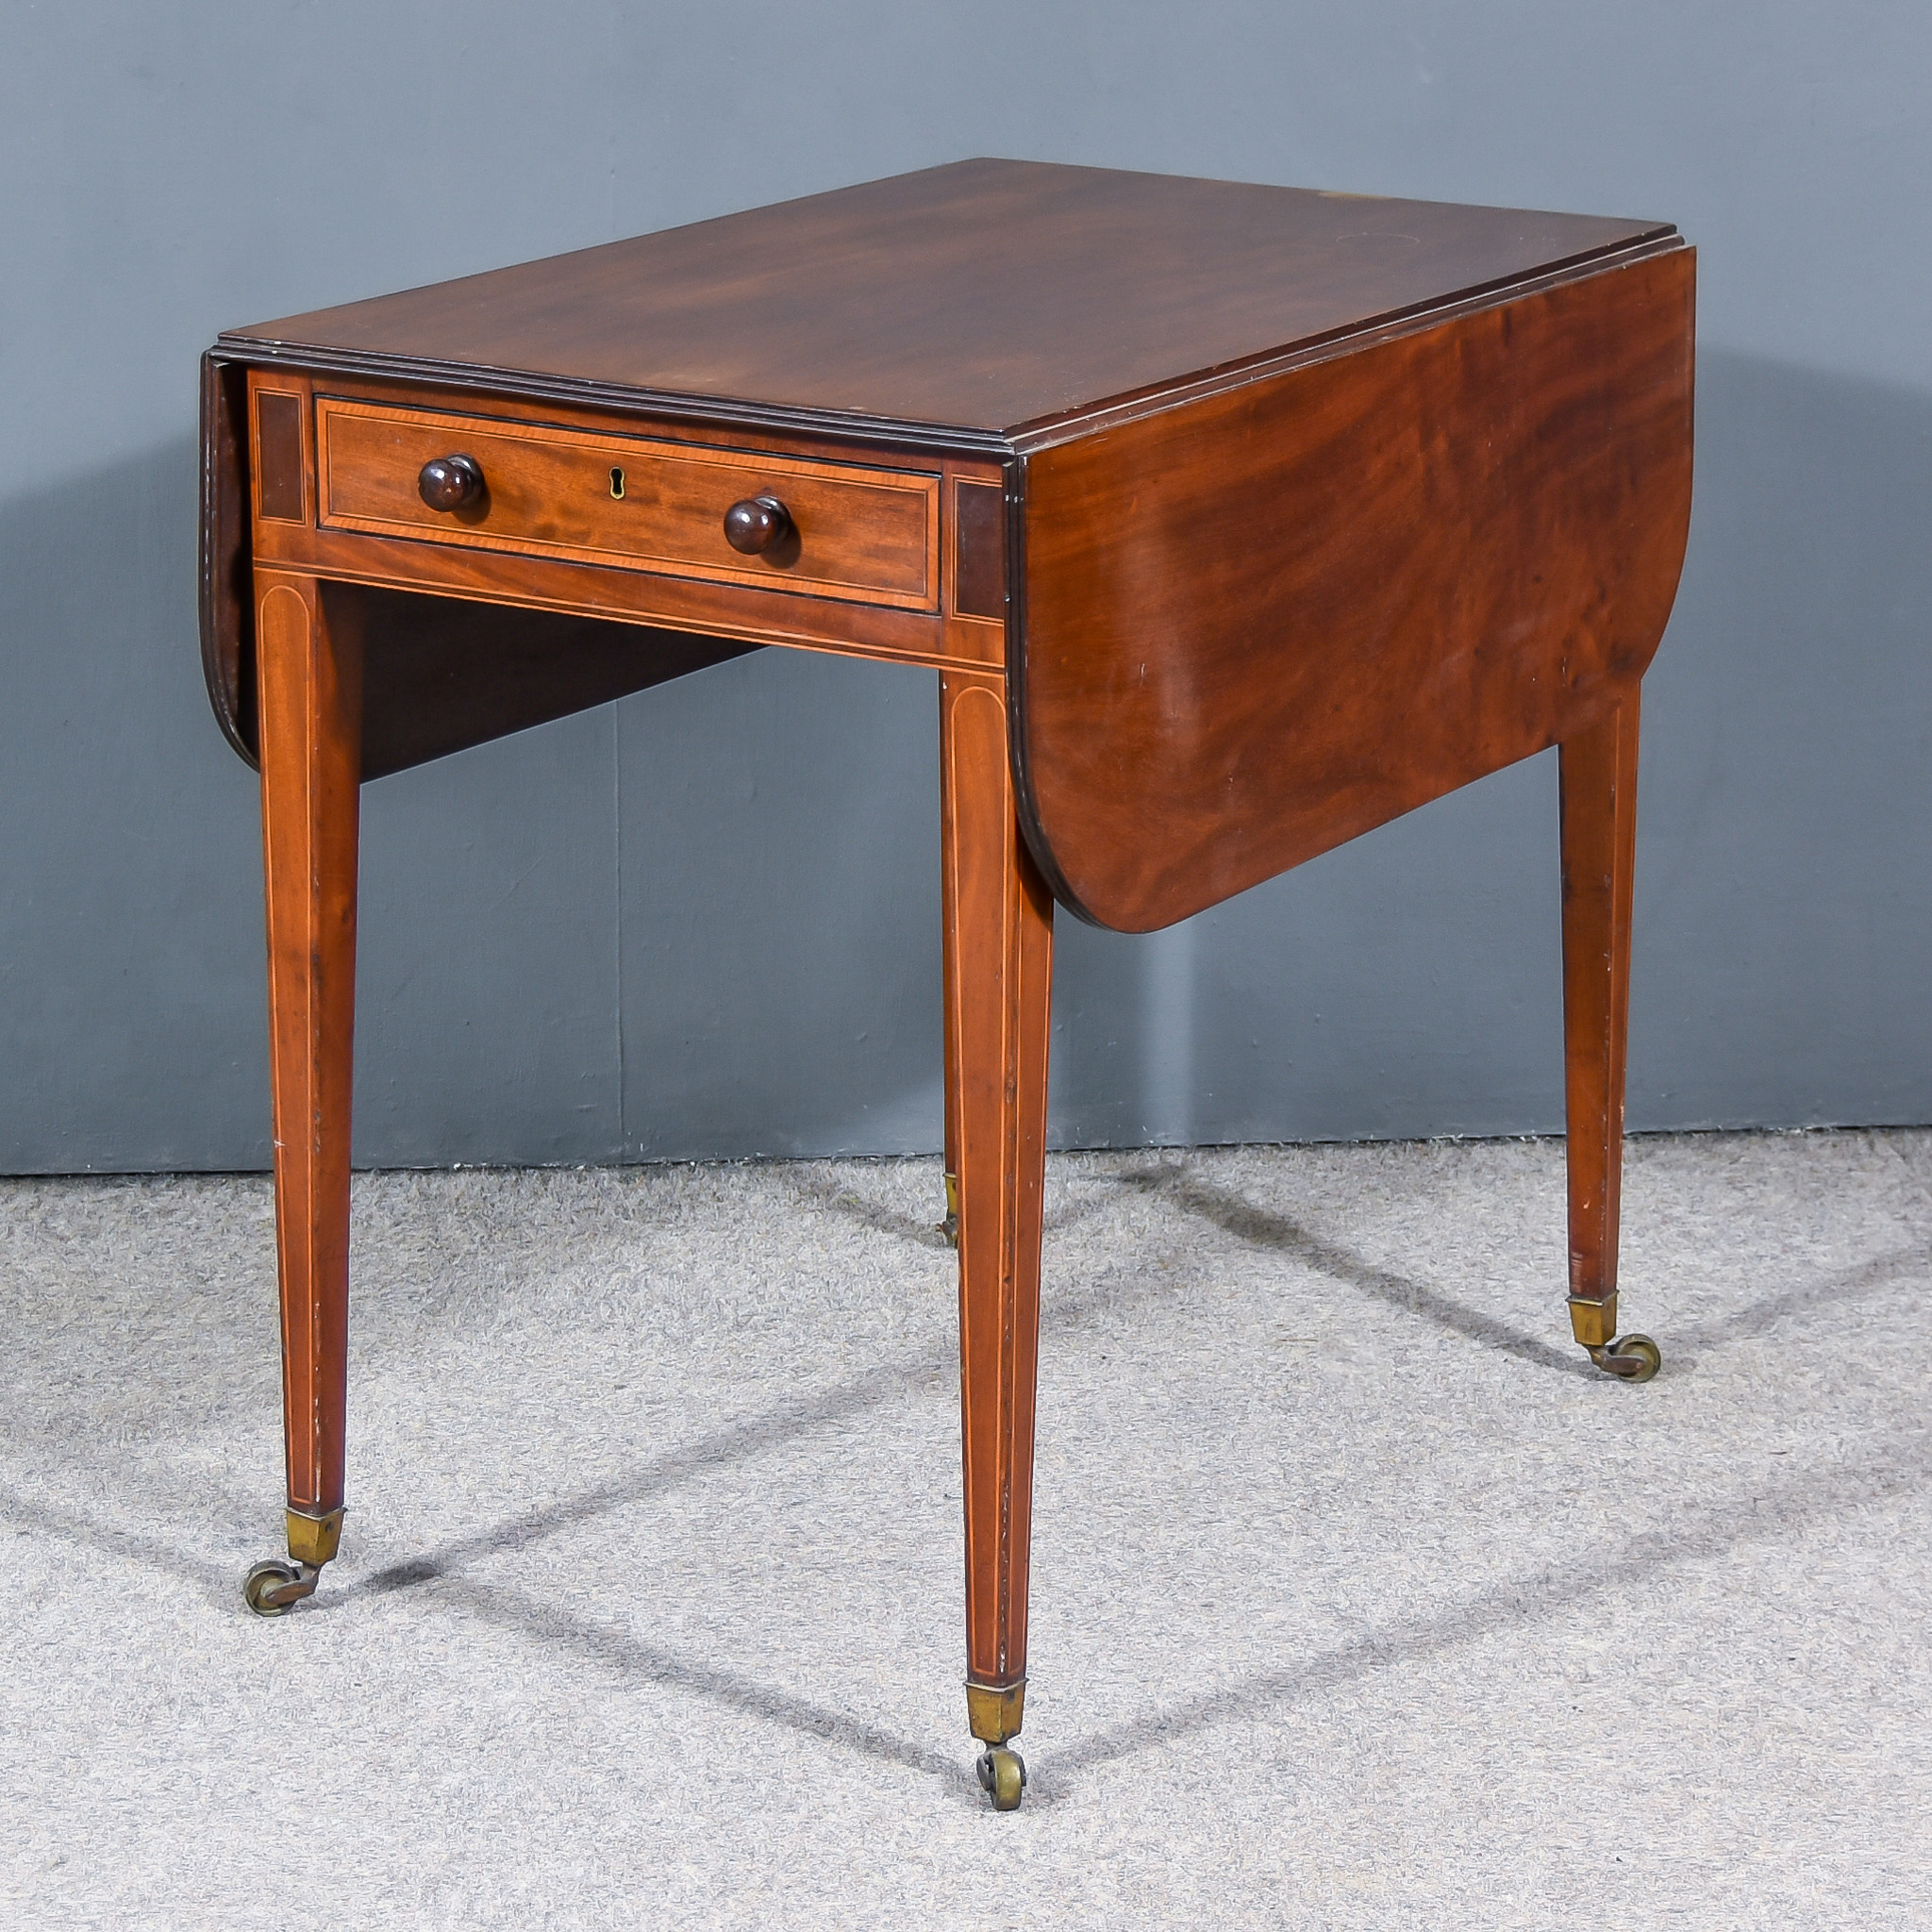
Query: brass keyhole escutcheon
(617, 482)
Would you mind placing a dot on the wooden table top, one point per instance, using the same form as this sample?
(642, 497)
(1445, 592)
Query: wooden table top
(1315, 506)
(985, 298)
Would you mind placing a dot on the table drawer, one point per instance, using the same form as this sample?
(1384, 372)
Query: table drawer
(633, 502)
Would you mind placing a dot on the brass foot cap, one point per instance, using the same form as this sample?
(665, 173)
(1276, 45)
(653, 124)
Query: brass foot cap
(993, 1710)
(314, 1540)
(1594, 1322)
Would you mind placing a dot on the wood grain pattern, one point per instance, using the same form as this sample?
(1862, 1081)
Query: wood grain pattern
(1598, 789)
(1259, 625)
(983, 296)
(312, 709)
(280, 473)
(998, 968)
(867, 534)
(979, 550)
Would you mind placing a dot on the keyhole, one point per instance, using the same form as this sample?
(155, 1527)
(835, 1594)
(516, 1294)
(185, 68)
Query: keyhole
(617, 482)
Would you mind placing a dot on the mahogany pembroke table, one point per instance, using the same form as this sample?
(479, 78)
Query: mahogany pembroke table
(1236, 521)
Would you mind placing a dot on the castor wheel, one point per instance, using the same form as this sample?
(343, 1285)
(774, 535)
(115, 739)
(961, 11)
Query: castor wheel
(1632, 1358)
(272, 1587)
(1001, 1776)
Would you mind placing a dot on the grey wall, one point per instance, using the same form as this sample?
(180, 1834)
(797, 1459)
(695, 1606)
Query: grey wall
(706, 921)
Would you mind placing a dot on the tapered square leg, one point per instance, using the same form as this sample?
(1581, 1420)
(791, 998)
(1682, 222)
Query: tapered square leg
(1598, 783)
(998, 991)
(310, 681)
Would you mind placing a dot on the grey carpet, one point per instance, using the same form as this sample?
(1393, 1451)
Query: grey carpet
(1359, 1599)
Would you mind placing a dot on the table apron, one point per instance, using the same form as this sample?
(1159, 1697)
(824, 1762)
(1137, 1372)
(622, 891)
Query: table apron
(631, 597)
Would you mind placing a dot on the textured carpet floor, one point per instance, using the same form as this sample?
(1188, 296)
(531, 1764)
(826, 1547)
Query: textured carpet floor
(1359, 1600)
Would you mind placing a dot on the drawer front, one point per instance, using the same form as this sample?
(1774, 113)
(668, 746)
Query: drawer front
(632, 502)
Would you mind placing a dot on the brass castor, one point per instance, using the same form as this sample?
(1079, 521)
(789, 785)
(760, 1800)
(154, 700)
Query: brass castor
(1632, 1358)
(950, 1225)
(276, 1586)
(1001, 1776)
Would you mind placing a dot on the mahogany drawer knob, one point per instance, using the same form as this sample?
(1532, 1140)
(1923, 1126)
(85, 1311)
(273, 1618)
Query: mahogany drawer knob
(449, 482)
(757, 524)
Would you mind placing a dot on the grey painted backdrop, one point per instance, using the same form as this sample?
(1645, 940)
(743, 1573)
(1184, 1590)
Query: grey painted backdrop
(705, 922)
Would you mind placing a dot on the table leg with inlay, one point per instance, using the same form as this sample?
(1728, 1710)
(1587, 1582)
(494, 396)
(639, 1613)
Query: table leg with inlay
(998, 952)
(311, 717)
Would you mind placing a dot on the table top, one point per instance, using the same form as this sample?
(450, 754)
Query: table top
(1312, 507)
(987, 297)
